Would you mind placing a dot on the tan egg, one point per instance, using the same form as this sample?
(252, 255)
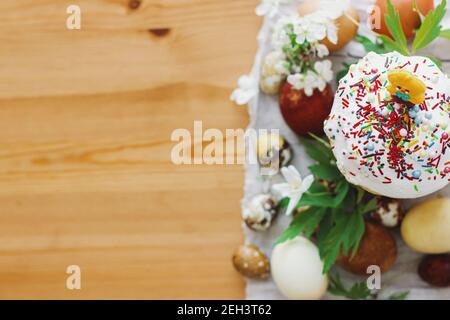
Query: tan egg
(377, 247)
(426, 227)
(347, 28)
(271, 84)
(409, 19)
(251, 262)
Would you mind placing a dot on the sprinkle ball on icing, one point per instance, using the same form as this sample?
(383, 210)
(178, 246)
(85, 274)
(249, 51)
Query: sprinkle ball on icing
(389, 126)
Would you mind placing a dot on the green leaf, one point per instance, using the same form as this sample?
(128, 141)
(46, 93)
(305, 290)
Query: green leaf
(306, 221)
(355, 233)
(343, 233)
(317, 151)
(325, 199)
(359, 194)
(394, 26)
(283, 203)
(399, 296)
(342, 189)
(290, 233)
(445, 34)
(369, 206)
(325, 171)
(391, 45)
(320, 140)
(369, 45)
(430, 28)
(358, 291)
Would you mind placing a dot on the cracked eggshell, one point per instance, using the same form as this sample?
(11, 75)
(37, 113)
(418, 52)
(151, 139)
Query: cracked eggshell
(297, 270)
(259, 212)
(251, 262)
(426, 227)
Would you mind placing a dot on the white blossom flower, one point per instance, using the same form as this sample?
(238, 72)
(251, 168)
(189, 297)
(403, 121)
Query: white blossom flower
(279, 31)
(296, 80)
(246, 91)
(312, 28)
(325, 26)
(294, 188)
(310, 83)
(308, 29)
(324, 73)
(269, 7)
(321, 50)
(275, 64)
(332, 32)
(306, 82)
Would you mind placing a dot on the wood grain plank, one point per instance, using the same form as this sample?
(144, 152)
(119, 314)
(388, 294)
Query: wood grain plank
(85, 171)
(114, 50)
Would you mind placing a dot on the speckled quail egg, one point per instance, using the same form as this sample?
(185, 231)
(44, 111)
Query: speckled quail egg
(273, 150)
(389, 212)
(259, 212)
(251, 262)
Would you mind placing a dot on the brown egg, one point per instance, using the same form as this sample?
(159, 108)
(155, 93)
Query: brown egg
(302, 113)
(409, 19)
(377, 247)
(435, 269)
(251, 262)
(346, 27)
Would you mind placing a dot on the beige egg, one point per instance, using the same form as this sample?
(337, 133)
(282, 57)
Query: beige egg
(347, 28)
(426, 227)
(271, 84)
(297, 270)
(251, 262)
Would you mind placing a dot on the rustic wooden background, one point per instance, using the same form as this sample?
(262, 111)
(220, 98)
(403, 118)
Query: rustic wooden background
(85, 124)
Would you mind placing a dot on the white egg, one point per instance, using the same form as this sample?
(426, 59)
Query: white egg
(297, 270)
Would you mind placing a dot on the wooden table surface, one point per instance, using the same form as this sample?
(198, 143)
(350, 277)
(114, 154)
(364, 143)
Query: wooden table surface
(85, 171)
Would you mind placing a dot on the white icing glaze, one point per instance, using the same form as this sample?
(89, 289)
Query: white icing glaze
(367, 149)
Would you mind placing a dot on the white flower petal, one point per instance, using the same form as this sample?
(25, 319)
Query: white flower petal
(307, 182)
(246, 91)
(322, 50)
(282, 189)
(291, 175)
(293, 201)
